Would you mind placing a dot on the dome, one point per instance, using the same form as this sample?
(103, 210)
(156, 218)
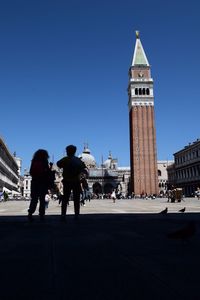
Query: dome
(87, 158)
(107, 162)
(110, 163)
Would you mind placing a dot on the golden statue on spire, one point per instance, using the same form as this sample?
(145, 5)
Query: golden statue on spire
(137, 34)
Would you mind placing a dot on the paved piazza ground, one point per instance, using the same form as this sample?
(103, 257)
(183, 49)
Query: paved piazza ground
(105, 206)
(114, 251)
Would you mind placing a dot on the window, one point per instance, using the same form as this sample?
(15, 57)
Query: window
(159, 173)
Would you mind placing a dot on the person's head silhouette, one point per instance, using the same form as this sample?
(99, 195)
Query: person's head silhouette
(71, 150)
(41, 154)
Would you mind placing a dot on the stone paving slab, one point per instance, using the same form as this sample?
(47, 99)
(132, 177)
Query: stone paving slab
(106, 255)
(106, 206)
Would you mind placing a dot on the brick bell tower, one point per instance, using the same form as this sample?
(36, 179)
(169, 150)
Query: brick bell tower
(143, 156)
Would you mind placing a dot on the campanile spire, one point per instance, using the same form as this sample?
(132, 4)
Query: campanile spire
(137, 33)
(139, 56)
(144, 178)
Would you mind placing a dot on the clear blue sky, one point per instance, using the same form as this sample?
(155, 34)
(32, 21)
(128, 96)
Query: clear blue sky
(64, 74)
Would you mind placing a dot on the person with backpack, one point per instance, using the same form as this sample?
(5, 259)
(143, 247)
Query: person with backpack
(84, 188)
(40, 172)
(72, 167)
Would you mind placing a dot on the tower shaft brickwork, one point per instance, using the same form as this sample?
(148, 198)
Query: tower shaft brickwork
(143, 154)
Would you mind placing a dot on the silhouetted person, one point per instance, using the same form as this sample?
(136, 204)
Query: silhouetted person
(39, 171)
(198, 193)
(72, 167)
(113, 196)
(52, 177)
(5, 196)
(84, 188)
(47, 199)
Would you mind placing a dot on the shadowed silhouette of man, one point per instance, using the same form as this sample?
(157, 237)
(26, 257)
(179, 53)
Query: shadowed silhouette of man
(72, 167)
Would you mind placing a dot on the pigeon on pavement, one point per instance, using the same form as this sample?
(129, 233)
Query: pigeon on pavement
(182, 210)
(164, 212)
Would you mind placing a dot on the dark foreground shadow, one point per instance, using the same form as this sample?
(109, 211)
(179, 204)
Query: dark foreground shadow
(100, 256)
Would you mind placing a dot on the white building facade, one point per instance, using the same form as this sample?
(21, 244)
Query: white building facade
(163, 175)
(185, 172)
(9, 171)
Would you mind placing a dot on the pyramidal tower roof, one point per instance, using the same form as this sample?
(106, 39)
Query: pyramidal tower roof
(139, 56)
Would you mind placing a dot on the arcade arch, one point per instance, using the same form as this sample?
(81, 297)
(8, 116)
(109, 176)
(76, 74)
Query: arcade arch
(108, 188)
(97, 188)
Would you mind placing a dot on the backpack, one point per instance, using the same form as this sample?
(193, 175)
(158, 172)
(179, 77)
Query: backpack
(51, 178)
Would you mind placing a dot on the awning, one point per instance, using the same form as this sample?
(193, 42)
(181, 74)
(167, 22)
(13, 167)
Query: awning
(15, 192)
(6, 190)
